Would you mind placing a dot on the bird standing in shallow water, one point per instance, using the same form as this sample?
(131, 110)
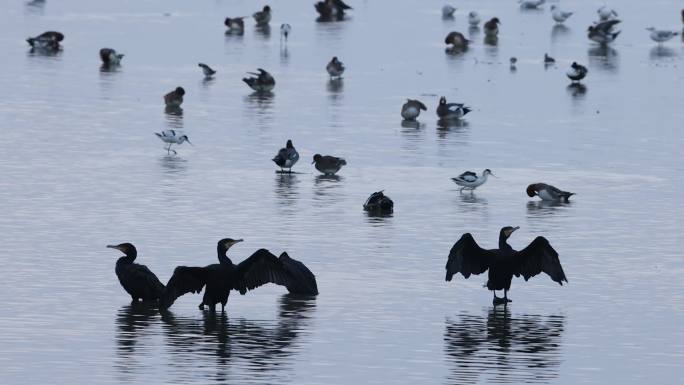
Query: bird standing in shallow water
(548, 59)
(260, 82)
(110, 57)
(262, 17)
(172, 137)
(558, 15)
(411, 109)
(470, 180)
(661, 35)
(48, 40)
(378, 203)
(473, 19)
(206, 70)
(531, 4)
(457, 40)
(577, 72)
(548, 193)
(286, 157)
(603, 32)
(219, 279)
(136, 279)
(285, 31)
(451, 110)
(467, 257)
(174, 99)
(328, 165)
(329, 9)
(236, 25)
(335, 68)
(491, 28)
(448, 11)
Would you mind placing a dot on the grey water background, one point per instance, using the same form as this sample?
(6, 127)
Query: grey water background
(80, 168)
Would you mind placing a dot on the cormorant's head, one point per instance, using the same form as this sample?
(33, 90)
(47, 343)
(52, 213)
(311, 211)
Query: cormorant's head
(228, 242)
(289, 144)
(507, 231)
(126, 248)
(442, 100)
(531, 190)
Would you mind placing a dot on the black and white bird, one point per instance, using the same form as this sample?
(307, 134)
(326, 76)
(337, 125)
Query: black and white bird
(286, 157)
(451, 110)
(379, 203)
(335, 68)
(467, 257)
(661, 35)
(174, 99)
(206, 70)
(138, 281)
(558, 15)
(110, 57)
(470, 180)
(603, 32)
(331, 9)
(577, 72)
(531, 4)
(328, 165)
(411, 109)
(261, 81)
(548, 193)
(285, 31)
(172, 137)
(457, 40)
(448, 11)
(236, 25)
(262, 17)
(491, 28)
(473, 19)
(606, 13)
(48, 40)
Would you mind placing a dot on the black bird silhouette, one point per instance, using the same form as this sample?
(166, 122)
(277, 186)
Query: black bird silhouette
(467, 257)
(220, 278)
(136, 279)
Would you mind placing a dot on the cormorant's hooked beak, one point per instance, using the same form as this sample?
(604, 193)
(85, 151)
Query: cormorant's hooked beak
(511, 231)
(229, 244)
(114, 247)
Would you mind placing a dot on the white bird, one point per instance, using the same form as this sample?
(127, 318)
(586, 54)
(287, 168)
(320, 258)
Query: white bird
(606, 13)
(172, 137)
(661, 35)
(448, 11)
(559, 15)
(473, 18)
(470, 180)
(285, 31)
(531, 4)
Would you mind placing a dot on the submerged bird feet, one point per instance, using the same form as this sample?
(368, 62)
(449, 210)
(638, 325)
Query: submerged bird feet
(500, 301)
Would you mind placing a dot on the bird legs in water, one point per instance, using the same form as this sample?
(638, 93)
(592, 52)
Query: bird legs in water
(168, 150)
(499, 301)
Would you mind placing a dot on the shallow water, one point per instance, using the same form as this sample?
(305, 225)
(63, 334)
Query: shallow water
(81, 168)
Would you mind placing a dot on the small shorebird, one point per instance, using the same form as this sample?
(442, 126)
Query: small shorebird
(411, 109)
(559, 15)
(206, 70)
(260, 82)
(602, 32)
(110, 57)
(335, 68)
(451, 110)
(262, 17)
(448, 11)
(174, 98)
(531, 4)
(48, 40)
(605, 13)
(172, 137)
(470, 180)
(286, 157)
(548, 193)
(577, 72)
(473, 19)
(661, 35)
(491, 28)
(328, 165)
(285, 31)
(235, 25)
(457, 40)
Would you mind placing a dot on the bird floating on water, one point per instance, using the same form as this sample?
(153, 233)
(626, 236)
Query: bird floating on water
(558, 15)
(603, 32)
(138, 281)
(174, 99)
(467, 257)
(531, 4)
(110, 57)
(451, 110)
(379, 203)
(219, 279)
(48, 40)
(457, 40)
(606, 13)
(335, 68)
(577, 72)
(491, 28)
(470, 180)
(473, 19)
(206, 70)
(286, 157)
(411, 109)
(172, 137)
(548, 59)
(661, 35)
(262, 17)
(260, 82)
(548, 193)
(236, 25)
(331, 9)
(285, 31)
(448, 11)
(328, 165)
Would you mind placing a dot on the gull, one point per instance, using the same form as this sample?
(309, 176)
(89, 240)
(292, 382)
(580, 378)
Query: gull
(473, 19)
(470, 180)
(559, 15)
(531, 4)
(448, 11)
(606, 13)
(661, 35)
(172, 137)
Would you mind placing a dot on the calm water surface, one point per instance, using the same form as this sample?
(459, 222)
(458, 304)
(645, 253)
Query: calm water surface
(81, 168)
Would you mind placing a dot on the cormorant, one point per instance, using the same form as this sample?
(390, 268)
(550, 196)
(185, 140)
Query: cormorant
(220, 278)
(136, 279)
(467, 257)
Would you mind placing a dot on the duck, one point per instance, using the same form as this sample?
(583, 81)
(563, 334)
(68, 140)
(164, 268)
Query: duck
(661, 35)
(378, 202)
(219, 279)
(491, 28)
(235, 25)
(531, 4)
(470, 180)
(110, 57)
(260, 82)
(174, 99)
(327, 164)
(467, 257)
(548, 59)
(473, 19)
(577, 72)
(457, 40)
(451, 110)
(328, 9)
(335, 68)
(558, 15)
(448, 11)
(606, 13)
(411, 109)
(172, 137)
(138, 280)
(262, 17)
(548, 193)
(48, 40)
(286, 157)
(285, 31)
(602, 32)
(206, 70)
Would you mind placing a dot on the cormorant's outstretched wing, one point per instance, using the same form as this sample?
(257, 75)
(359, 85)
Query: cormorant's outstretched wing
(184, 280)
(467, 257)
(539, 257)
(263, 267)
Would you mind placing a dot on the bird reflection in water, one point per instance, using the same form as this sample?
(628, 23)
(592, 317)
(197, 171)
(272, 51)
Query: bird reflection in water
(502, 348)
(174, 117)
(538, 209)
(471, 203)
(661, 52)
(559, 31)
(326, 185)
(603, 57)
(263, 31)
(261, 101)
(576, 90)
(491, 40)
(286, 187)
(172, 164)
(132, 322)
(335, 85)
(445, 126)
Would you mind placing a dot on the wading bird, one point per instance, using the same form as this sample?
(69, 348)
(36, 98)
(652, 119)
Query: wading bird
(286, 157)
(548, 193)
(470, 180)
(328, 165)
(172, 137)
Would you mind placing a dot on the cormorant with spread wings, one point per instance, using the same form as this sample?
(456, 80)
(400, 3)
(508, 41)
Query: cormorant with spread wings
(467, 257)
(219, 279)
